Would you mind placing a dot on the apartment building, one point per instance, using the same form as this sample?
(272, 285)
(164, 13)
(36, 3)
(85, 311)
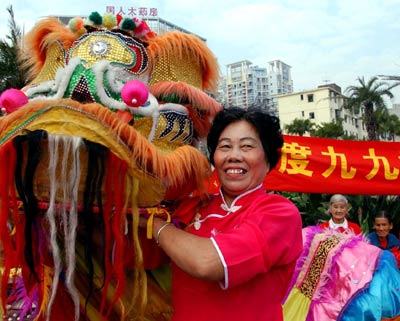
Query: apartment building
(161, 26)
(279, 78)
(222, 91)
(395, 110)
(321, 105)
(251, 85)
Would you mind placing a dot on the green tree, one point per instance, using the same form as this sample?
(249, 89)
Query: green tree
(368, 95)
(393, 127)
(334, 129)
(349, 137)
(312, 207)
(13, 72)
(299, 127)
(388, 124)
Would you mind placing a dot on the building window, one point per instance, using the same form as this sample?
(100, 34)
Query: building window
(310, 98)
(301, 97)
(312, 115)
(337, 114)
(302, 114)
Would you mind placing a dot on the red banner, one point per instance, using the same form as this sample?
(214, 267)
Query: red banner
(320, 165)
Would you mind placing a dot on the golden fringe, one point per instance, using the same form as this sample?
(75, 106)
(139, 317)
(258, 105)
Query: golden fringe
(46, 287)
(184, 165)
(140, 277)
(204, 109)
(36, 41)
(178, 44)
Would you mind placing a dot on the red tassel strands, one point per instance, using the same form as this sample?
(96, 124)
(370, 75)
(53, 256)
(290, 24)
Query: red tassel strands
(9, 219)
(115, 227)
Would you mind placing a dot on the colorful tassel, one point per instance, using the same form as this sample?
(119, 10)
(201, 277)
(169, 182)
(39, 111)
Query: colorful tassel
(95, 18)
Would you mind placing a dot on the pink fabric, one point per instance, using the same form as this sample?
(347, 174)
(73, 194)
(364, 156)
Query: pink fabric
(259, 242)
(348, 268)
(350, 274)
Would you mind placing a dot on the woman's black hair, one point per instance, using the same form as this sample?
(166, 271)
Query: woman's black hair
(266, 125)
(384, 214)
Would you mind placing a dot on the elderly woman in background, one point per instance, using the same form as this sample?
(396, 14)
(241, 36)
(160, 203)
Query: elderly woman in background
(235, 258)
(381, 236)
(339, 210)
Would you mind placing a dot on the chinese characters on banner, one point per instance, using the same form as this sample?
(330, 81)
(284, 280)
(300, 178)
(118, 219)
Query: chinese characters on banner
(319, 165)
(140, 12)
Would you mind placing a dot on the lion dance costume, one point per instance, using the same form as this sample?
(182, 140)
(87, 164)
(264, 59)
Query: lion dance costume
(107, 130)
(340, 276)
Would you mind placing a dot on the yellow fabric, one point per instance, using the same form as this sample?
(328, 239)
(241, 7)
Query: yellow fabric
(117, 51)
(154, 211)
(66, 121)
(54, 61)
(296, 306)
(182, 57)
(171, 67)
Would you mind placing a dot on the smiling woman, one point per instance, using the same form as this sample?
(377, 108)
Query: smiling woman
(339, 210)
(239, 160)
(243, 240)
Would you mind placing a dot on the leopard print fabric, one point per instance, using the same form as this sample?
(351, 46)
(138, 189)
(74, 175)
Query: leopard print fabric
(312, 277)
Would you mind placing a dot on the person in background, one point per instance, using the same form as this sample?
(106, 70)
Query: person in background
(381, 236)
(339, 209)
(235, 258)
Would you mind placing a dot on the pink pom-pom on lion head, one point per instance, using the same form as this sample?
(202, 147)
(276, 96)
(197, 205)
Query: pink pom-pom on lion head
(12, 99)
(134, 93)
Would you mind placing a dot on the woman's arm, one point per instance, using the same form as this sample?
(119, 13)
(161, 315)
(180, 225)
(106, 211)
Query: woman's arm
(195, 255)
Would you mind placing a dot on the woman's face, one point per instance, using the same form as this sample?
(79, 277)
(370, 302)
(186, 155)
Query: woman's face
(339, 211)
(382, 227)
(239, 159)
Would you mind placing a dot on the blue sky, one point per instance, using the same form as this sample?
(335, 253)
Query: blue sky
(336, 41)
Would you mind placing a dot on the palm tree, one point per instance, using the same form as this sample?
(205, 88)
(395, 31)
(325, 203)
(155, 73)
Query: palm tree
(299, 127)
(391, 78)
(12, 72)
(370, 96)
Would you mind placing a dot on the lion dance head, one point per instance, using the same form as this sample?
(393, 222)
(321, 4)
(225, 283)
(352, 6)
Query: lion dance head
(108, 129)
